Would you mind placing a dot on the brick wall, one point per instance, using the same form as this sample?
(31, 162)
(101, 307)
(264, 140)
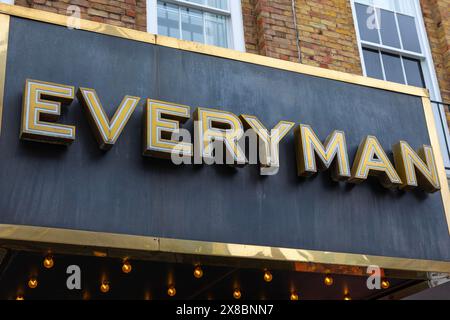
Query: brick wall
(437, 22)
(276, 34)
(123, 13)
(327, 35)
(250, 33)
(325, 27)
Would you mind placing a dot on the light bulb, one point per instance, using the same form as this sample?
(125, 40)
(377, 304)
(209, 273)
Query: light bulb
(268, 276)
(32, 283)
(48, 262)
(126, 267)
(385, 284)
(171, 291)
(294, 296)
(104, 287)
(237, 294)
(198, 272)
(328, 280)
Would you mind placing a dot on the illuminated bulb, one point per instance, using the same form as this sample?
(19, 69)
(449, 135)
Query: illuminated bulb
(237, 294)
(19, 298)
(198, 272)
(48, 262)
(328, 280)
(294, 296)
(385, 284)
(171, 291)
(104, 287)
(268, 276)
(126, 267)
(347, 297)
(32, 283)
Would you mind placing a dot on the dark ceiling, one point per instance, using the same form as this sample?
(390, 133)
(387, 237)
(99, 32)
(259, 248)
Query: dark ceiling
(151, 280)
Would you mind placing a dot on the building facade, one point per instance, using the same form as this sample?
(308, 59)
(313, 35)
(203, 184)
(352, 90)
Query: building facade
(208, 232)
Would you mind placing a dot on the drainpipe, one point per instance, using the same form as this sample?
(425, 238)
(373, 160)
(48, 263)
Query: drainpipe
(297, 35)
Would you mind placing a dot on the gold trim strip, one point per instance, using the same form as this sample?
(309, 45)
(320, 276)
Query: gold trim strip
(76, 237)
(131, 34)
(434, 140)
(4, 33)
(54, 236)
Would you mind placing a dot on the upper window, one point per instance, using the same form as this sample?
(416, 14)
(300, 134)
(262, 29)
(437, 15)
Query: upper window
(213, 22)
(390, 41)
(393, 44)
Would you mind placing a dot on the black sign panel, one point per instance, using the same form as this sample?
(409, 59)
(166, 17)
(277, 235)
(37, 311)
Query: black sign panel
(119, 191)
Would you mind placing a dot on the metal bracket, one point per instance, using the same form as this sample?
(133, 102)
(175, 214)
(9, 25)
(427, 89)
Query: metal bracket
(436, 279)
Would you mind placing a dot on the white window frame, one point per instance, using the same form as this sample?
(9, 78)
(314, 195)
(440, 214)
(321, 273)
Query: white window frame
(426, 62)
(234, 15)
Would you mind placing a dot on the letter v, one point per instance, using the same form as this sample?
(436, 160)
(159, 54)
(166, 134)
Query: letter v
(106, 132)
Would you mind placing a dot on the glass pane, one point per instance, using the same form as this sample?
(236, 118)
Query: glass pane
(408, 31)
(216, 30)
(220, 4)
(400, 6)
(388, 29)
(373, 64)
(168, 20)
(413, 72)
(405, 7)
(196, 1)
(385, 4)
(393, 67)
(192, 25)
(367, 23)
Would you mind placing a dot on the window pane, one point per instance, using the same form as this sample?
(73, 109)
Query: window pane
(196, 1)
(216, 29)
(393, 67)
(405, 7)
(401, 6)
(408, 32)
(388, 29)
(372, 63)
(413, 72)
(367, 23)
(192, 25)
(168, 20)
(220, 4)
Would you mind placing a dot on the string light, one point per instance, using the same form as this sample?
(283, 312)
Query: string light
(86, 295)
(32, 283)
(385, 284)
(126, 267)
(48, 262)
(171, 291)
(294, 296)
(237, 294)
(268, 276)
(198, 272)
(104, 287)
(328, 280)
